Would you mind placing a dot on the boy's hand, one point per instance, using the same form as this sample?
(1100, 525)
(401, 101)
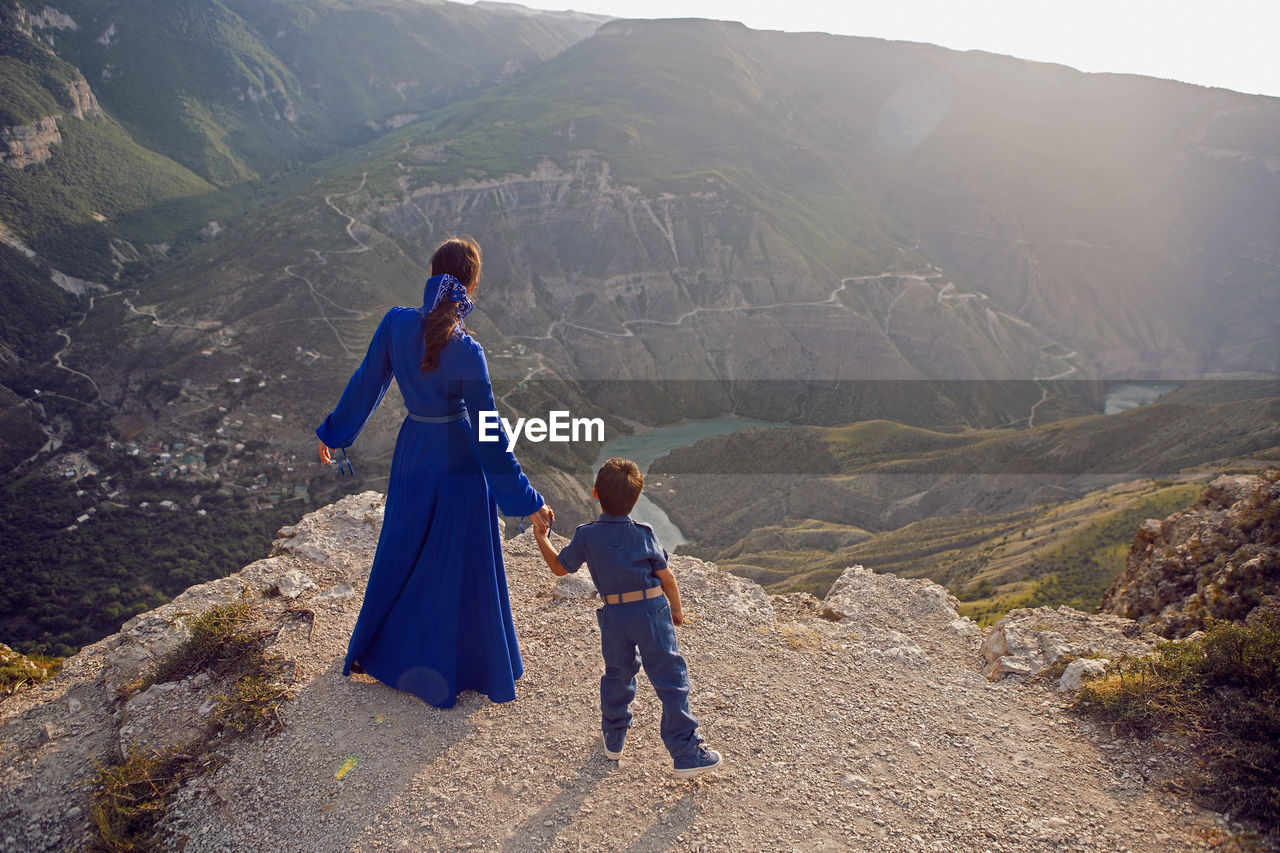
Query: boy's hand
(541, 525)
(542, 520)
(672, 591)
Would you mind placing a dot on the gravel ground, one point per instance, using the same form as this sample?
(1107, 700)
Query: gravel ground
(861, 722)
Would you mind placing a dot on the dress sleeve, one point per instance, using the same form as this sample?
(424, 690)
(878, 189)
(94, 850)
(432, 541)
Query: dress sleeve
(363, 393)
(507, 482)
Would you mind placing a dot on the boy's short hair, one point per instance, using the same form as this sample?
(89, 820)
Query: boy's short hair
(618, 485)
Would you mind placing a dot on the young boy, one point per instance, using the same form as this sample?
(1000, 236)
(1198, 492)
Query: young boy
(640, 612)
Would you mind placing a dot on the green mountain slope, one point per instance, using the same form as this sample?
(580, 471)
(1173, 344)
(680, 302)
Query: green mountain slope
(880, 476)
(1003, 518)
(1063, 553)
(96, 185)
(33, 81)
(251, 88)
(72, 175)
(229, 108)
(625, 94)
(231, 91)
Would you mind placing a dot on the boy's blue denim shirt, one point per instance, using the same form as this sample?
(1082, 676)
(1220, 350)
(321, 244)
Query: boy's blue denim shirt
(622, 555)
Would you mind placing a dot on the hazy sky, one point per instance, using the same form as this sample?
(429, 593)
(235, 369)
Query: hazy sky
(1228, 43)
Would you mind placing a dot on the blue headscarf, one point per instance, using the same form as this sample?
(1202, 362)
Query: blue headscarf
(441, 286)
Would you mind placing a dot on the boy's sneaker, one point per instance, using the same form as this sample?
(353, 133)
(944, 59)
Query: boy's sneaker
(696, 761)
(614, 740)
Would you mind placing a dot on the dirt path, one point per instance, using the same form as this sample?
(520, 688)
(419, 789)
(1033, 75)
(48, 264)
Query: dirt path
(874, 733)
(56, 358)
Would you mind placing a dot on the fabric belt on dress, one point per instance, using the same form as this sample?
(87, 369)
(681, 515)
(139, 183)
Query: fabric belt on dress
(438, 419)
(628, 597)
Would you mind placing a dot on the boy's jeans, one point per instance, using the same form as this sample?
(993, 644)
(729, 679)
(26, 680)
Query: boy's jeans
(642, 631)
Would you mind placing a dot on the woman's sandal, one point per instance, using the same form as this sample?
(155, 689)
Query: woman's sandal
(357, 669)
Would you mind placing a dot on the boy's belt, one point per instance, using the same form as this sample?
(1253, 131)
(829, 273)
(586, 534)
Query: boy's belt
(628, 597)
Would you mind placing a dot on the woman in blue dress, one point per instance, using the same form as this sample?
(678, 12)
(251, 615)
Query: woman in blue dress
(436, 619)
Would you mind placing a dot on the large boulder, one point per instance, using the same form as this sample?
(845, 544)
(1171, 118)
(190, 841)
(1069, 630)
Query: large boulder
(1220, 559)
(909, 620)
(1027, 641)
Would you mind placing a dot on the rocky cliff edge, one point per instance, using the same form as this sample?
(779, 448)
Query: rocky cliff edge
(862, 721)
(1219, 559)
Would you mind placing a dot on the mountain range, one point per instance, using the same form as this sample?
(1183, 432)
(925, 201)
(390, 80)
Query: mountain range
(207, 205)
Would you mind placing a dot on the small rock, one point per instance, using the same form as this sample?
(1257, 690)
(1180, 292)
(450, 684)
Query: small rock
(1003, 666)
(301, 546)
(1076, 671)
(342, 590)
(1054, 647)
(152, 692)
(573, 586)
(292, 584)
(901, 647)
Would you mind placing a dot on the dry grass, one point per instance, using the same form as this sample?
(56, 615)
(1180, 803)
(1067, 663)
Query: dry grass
(1221, 692)
(799, 636)
(18, 670)
(131, 796)
(218, 643)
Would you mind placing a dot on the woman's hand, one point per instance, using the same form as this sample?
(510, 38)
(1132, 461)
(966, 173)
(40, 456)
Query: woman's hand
(543, 518)
(326, 457)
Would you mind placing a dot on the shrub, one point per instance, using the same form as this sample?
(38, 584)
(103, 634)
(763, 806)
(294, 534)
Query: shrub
(217, 643)
(1221, 690)
(18, 670)
(130, 799)
(251, 705)
(131, 796)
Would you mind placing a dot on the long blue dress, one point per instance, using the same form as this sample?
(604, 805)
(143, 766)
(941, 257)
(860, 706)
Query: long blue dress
(436, 619)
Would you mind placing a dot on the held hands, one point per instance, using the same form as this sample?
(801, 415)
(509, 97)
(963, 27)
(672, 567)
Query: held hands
(541, 524)
(542, 520)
